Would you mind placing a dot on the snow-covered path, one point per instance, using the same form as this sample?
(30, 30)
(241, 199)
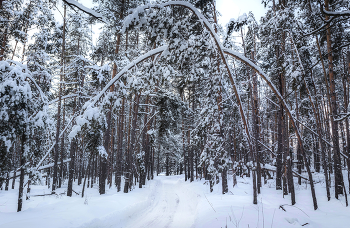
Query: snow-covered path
(168, 203)
(169, 206)
(172, 202)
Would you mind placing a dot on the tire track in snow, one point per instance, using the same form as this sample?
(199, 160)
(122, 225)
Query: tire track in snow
(161, 211)
(168, 202)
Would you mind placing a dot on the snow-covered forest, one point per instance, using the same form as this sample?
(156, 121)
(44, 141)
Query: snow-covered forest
(171, 119)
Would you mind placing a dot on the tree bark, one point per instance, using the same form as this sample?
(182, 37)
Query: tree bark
(120, 147)
(54, 184)
(334, 111)
(256, 128)
(224, 180)
(21, 178)
(346, 104)
(128, 167)
(73, 146)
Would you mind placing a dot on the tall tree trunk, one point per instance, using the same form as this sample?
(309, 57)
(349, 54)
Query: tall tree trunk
(60, 180)
(279, 146)
(255, 192)
(183, 142)
(255, 117)
(346, 104)
(73, 146)
(120, 146)
(111, 155)
(16, 145)
(224, 180)
(28, 186)
(103, 159)
(3, 45)
(129, 167)
(21, 178)
(54, 184)
(299, 156)
(86, 176)
(280, 123)
(332, 90)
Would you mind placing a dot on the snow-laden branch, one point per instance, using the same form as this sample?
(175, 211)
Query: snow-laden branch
(332, 13)
(53, 145)
(338, 14)
(42, 95)
(52, 164)
(27, 75)
(143, 128)
(207, 25)
(85, 9)
(224, 51)
(270, 150)
(260, 72)
(149, 54)
(88, 106)
(64, 97)
(318, 29)
(347, 115)
(221, 50)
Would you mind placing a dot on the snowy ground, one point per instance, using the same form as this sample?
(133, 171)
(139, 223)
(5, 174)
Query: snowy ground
(172, 202)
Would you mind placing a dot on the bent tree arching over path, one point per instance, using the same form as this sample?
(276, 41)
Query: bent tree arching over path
(221, 54)
(165, 89)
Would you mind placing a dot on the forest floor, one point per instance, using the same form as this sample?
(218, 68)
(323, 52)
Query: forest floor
(169, 201)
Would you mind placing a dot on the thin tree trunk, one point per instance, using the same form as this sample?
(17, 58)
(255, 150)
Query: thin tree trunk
(255, 117)
(21, 178)
(86, 176)
(60, 180)
(224, 180)
(73, 146)
(28, 187)
(120, 147)
(132, 130)
(346, 104)
(299, 156)
(3, 45)
(54, 184)
(336, 152)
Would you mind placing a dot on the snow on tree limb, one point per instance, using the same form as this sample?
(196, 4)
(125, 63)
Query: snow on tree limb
(53, 145)
(89, 104)
(337, 14)
(85, 9)
(207, 25)
(259, 71)
(63, 97)
(149, 54)
(25, 69)
(221, 50)
(331, 13)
